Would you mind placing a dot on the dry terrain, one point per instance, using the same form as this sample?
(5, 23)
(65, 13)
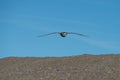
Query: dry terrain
(84, 67)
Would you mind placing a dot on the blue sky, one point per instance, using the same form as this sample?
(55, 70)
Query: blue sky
(22, 20)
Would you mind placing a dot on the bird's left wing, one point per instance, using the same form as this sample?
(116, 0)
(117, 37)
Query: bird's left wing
(77, 34)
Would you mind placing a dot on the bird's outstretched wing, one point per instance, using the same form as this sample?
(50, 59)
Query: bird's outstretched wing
(48, 34)
(77, 34)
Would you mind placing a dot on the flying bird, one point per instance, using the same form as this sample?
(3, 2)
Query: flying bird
(63, 34)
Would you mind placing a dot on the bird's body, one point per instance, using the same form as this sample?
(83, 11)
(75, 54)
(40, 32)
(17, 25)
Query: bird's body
(63, 34)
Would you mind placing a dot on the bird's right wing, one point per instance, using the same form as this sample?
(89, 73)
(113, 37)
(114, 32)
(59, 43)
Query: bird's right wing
(48, 34)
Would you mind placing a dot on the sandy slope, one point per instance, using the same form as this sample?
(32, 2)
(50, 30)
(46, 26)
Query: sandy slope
(85, 67)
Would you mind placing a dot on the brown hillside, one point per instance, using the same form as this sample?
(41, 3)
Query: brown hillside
(84, 67)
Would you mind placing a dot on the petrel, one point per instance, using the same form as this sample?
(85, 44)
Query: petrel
(62, 34)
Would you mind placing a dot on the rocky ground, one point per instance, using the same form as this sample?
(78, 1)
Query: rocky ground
(84, 67)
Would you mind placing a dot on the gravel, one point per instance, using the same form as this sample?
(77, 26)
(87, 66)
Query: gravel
(84, 67)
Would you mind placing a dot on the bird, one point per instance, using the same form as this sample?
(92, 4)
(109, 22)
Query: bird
(63, 34)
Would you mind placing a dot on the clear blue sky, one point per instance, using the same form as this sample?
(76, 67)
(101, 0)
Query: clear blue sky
(22, 20)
